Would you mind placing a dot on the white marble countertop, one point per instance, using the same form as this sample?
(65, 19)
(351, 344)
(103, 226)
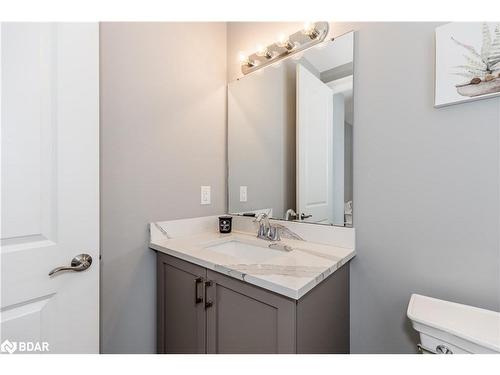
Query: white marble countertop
(289, 273)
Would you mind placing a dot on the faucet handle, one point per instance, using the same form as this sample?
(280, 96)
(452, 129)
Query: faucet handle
(274, 233)
(262, 231)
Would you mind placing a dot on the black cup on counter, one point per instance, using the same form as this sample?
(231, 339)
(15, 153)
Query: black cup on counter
(225, 223)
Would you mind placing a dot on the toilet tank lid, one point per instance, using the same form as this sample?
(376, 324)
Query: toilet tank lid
(470, 323)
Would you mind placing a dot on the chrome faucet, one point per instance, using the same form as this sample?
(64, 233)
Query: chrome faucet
(267, 231)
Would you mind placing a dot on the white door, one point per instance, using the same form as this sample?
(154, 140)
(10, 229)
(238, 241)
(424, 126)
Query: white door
(50, 186)
(314, 148)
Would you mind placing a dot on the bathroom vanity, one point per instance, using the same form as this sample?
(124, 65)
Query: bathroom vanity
(235, 293)
(282, 285)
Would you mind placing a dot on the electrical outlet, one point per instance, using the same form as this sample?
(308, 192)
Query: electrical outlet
(243, 193)
(205, 195)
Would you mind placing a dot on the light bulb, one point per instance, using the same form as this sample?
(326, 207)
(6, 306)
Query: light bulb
(284, 42)
(262, 51)
(310, 30)
(244, 60)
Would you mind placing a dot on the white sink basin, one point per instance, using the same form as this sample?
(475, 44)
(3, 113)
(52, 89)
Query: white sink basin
(245, 252)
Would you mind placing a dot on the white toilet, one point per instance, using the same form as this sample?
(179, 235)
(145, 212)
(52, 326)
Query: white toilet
(446, 327)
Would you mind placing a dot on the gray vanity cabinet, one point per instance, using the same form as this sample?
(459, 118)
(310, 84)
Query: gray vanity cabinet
(202, 311)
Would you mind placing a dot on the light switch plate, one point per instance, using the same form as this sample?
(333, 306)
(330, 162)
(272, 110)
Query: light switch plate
(243, 193)
(205, 195)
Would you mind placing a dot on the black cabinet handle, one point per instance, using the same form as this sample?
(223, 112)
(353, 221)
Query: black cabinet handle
(208, 304)
(197, 298)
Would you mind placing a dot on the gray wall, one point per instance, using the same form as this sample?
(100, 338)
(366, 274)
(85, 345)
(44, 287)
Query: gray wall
(425, 182)
(163, 131)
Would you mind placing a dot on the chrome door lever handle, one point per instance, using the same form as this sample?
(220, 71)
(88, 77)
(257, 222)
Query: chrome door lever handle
(79, 263)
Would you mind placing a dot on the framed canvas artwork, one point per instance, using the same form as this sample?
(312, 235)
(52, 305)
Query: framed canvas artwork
(467, 62)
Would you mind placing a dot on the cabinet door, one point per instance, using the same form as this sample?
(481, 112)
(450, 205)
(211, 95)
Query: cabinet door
(180, 304)
(242, 318)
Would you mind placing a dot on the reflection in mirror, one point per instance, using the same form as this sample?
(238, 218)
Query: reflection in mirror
(290, 129)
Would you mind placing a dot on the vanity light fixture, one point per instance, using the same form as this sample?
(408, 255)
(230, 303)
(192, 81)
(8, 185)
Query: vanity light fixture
(285, 46)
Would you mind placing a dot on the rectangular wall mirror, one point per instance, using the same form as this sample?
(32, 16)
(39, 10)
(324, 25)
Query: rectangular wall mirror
(290, 128)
